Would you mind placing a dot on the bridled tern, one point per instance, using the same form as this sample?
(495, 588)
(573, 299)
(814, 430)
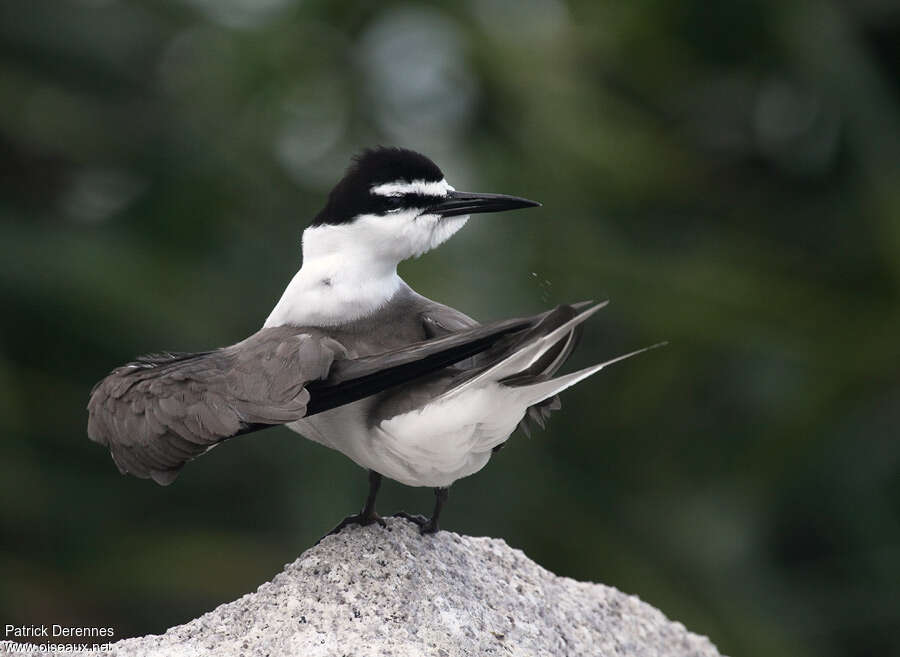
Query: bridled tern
(352, 358)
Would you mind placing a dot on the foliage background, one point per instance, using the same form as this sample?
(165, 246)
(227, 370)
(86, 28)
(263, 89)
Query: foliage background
(727, 173)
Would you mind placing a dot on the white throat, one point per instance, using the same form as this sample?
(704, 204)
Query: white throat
(340, 280)
(350, 269)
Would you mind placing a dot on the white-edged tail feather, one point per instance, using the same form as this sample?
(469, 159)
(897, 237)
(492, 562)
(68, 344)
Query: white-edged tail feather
(535, 393)
(525, 357)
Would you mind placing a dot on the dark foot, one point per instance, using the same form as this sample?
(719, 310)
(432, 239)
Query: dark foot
(426, 525)
(362, 519)
(368, 516)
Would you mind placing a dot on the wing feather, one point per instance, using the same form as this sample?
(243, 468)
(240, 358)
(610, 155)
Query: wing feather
(163, 410)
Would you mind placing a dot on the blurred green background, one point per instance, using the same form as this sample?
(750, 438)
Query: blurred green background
(727, 173)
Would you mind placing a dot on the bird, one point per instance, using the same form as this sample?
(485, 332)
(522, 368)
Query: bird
(353, 358)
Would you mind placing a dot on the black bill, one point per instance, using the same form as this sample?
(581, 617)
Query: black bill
(457, 203)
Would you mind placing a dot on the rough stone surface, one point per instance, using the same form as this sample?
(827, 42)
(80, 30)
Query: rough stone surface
(375, 591)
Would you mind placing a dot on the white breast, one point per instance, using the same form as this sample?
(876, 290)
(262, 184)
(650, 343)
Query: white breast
(432, 446)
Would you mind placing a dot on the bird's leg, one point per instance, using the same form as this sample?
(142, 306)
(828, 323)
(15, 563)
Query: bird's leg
(429, 525)
(368, 515)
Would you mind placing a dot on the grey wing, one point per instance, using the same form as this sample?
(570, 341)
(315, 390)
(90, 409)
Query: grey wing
(545, 367)
(161, 411)
(439, 320)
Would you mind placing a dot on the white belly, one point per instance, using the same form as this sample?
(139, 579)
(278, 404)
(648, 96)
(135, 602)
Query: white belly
(431, 446)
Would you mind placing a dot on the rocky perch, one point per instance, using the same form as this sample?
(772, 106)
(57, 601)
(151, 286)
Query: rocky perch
(371, 591)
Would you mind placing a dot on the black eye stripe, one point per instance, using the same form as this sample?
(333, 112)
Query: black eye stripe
(382, 204)
(353, 196)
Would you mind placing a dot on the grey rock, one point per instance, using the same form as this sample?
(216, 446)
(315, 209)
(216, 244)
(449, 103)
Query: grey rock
(375, 591)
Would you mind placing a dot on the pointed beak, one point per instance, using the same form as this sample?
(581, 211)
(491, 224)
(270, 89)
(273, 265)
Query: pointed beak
(457, 203)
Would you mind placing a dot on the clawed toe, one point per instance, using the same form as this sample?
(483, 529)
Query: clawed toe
(368, 516)
(412, 517)
(361, 519)
(429, 527)
(426, 525)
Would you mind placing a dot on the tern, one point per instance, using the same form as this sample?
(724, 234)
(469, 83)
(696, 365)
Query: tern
(352, 358)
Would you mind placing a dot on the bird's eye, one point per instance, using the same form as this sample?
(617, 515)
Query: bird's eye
(393, 202)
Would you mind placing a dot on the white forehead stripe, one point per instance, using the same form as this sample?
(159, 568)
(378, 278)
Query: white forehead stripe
(423, 187)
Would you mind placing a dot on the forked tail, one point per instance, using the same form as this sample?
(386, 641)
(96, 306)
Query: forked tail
(529, 363)
(534, 393)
